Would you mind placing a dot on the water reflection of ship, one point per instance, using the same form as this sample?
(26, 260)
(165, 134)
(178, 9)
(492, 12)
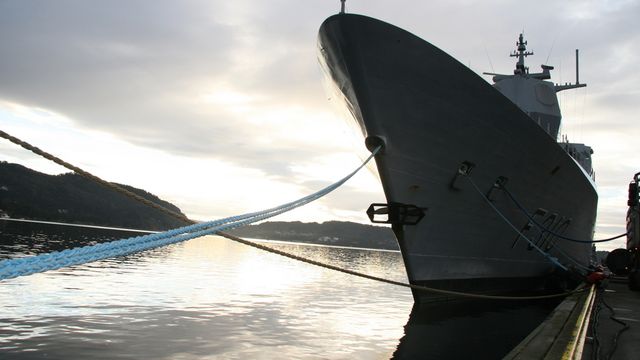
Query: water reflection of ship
(476, 329)
(438, 123)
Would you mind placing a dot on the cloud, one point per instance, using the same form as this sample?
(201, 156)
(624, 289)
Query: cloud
(136, 71)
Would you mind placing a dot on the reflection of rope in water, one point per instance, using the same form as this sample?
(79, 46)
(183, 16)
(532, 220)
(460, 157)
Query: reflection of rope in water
(201, 229)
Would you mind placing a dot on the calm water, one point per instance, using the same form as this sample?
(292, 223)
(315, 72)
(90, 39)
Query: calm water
(211, 298)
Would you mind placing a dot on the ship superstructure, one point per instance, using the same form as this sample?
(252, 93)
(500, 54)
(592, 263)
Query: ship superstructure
(538, 99)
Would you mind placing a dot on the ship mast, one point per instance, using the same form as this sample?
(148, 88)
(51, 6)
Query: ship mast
(521, 53)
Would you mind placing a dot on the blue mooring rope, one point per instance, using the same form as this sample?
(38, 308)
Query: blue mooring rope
(13, 268)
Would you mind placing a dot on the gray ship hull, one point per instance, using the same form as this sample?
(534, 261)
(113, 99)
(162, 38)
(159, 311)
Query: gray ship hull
(433, 114)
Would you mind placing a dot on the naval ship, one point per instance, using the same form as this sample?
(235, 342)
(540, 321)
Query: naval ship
(468, 168)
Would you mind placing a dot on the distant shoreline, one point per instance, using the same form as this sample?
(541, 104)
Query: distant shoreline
(285, 242)
(270, 241)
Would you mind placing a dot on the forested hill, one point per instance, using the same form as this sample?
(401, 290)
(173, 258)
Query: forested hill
(25, 193)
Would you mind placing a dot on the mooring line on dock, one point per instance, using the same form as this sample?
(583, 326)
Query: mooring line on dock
(202, 229)
(597, 345)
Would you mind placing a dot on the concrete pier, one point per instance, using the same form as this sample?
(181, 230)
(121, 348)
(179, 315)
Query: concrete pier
(562, 334)
(582, 327)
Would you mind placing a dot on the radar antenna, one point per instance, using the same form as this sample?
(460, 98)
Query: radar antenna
(521, 53)
(567, 86)
(342, 6)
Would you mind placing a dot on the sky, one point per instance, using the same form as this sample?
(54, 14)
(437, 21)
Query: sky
(220, 107)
